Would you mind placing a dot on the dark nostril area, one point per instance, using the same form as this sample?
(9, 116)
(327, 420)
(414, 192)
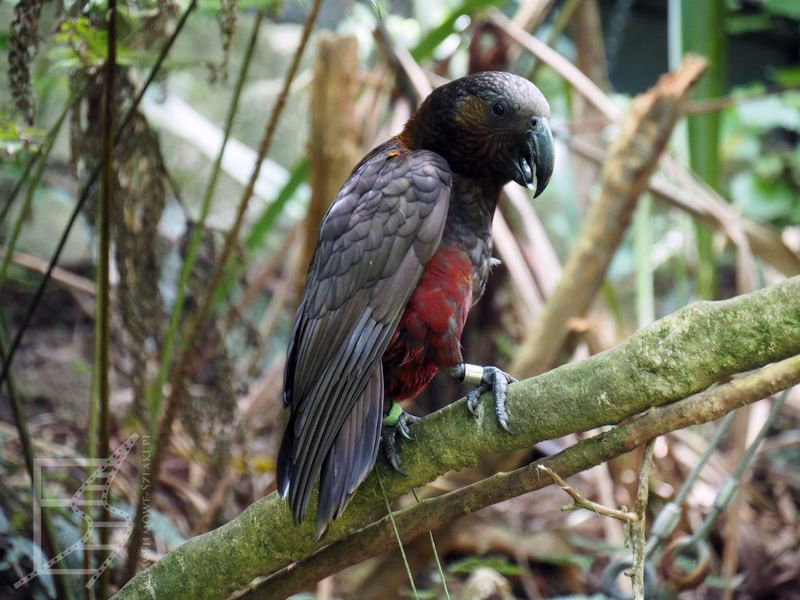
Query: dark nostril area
(535, 121)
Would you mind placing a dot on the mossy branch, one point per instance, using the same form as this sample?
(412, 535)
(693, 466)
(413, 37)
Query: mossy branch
(672, 359)
(431, 513)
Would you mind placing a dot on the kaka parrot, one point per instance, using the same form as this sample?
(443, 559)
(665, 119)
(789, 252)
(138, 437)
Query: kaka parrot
(403, 253)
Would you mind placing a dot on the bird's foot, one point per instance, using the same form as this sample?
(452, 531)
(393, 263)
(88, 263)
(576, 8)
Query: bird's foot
(396, 424)
(488, 379)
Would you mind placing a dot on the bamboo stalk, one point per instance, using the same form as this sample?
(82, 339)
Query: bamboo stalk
(703, 31)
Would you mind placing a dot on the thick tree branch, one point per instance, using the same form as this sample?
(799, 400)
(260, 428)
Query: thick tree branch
(672, 359)
(433, 512)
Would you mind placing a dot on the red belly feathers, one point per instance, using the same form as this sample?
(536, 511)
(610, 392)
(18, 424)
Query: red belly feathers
(428, 337)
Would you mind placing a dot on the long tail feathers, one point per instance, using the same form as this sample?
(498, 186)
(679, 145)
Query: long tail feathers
(353, 453)
(348, 461)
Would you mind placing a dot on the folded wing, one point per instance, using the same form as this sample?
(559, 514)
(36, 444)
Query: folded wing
(375, 240)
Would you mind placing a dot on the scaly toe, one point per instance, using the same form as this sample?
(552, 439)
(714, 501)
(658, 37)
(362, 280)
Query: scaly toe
(472, 401)
(389, 443)
(502, 415)
(402, 428)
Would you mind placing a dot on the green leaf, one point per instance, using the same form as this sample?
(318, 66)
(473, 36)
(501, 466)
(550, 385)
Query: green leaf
(749, 23)
(424, 49)
(769, 166)
(788, 77)
(784, 8)
(763, 200)
(470, 564)
(769, 112)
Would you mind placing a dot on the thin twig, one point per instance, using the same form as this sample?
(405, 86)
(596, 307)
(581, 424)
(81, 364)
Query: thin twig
(638, 532)
(64, 277)
(198, 322)
(20, 182)
(572, 74)
(579, 501)
(561, 22)
(390, 514)
(256, 284)
(435, 555)
(707, 105)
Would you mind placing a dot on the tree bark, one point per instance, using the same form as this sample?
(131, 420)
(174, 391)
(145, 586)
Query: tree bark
(418, 519)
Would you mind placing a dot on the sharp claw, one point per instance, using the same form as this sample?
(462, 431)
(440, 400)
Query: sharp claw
(389, 439)
(395, 462)
(390, 448)
(472, 401)
(402, 427)
(502, 415)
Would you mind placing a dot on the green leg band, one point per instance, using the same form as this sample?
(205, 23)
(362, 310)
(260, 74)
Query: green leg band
(394, 415)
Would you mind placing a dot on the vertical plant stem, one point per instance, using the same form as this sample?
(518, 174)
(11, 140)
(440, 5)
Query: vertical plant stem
(157, 387)
(703, 31)
(103, 275)
(638, 528)
(680, 143)
(435, 555)
(397, 535)
(91, 449)
(643, 250)
(198, 321)
(19, 183)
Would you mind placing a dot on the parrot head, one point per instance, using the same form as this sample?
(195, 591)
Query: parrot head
(489, 125)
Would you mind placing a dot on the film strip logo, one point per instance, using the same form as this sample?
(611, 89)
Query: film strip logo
(98, 483)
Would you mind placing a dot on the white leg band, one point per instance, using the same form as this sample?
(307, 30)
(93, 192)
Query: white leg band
(473, 374)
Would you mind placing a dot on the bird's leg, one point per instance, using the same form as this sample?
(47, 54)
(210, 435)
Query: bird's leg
(396, 423)
(485, 379)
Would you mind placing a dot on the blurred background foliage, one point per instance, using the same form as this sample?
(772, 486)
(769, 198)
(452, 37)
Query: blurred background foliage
(742, 139)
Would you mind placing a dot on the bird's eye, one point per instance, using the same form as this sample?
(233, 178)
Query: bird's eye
(499, 108)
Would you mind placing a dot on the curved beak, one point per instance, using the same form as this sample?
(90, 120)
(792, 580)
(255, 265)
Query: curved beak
(534, 163)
